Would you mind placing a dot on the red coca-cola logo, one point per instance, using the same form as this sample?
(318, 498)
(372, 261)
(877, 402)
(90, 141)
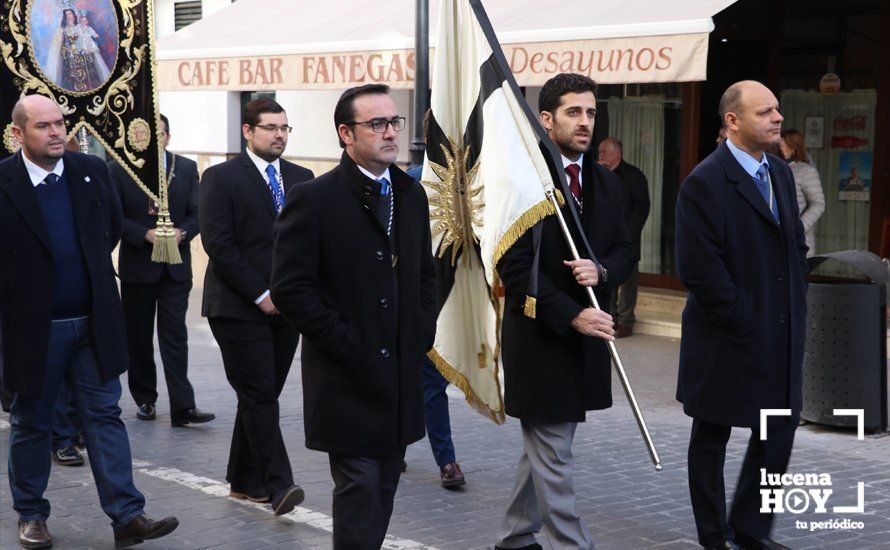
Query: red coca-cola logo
(847, 142)
(850, 123)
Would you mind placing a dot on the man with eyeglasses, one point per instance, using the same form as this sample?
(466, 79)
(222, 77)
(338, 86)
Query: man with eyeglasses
(239, 202)
(353, 272)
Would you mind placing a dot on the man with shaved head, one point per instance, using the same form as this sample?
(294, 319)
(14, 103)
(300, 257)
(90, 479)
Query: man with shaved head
(741, 252)
(61, 321)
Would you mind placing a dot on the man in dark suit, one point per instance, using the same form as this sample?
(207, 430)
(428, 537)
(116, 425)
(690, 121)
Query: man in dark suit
(61, 320)
(148, 285)
(240, 200)
(635, 198)
(741, 252)
(566, 334)
(354, 274)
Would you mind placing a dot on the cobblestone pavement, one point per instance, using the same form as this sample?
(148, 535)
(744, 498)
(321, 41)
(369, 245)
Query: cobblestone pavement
(626, 504)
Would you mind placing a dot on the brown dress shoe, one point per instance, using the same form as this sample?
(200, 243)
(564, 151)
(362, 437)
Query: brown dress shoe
(452, 477)
(33, 534)
(237, 495)
(142, 528)
(623, 331)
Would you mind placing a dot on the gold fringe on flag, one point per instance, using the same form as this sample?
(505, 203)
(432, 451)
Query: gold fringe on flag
(455, 377)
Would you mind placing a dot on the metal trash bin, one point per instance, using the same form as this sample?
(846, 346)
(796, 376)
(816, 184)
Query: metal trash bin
(845, 359)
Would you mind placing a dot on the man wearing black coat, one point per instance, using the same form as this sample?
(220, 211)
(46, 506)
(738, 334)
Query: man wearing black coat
(635, 198)
(354, 274)
(61, 320)
(240, 200)
(557, 364)
(147, 286)
(741, 252)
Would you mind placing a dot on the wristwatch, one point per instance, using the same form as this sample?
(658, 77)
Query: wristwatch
(603, 273)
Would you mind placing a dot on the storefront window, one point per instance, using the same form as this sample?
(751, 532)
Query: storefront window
(646, 118)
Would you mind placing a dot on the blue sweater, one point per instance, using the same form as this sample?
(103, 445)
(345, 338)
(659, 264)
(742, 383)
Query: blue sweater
(71, 284)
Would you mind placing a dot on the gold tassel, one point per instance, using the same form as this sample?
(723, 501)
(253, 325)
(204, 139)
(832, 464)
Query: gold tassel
(530, 308)
(165, 249)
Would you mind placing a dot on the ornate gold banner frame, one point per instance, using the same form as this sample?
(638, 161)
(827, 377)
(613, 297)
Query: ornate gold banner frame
(95, 59)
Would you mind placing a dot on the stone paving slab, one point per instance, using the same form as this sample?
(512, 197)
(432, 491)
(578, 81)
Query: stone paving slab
(626, 504)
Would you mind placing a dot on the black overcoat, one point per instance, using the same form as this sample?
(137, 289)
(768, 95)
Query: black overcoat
(366, 324)
(26, 270)
(745, 315)
(236, 215)
(552, 373)
(635, 197)
(134, 263)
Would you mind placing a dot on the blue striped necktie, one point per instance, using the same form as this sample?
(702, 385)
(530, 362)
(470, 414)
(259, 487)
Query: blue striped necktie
(277, 192)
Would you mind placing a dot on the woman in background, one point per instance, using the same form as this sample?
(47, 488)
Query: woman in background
(810, 198)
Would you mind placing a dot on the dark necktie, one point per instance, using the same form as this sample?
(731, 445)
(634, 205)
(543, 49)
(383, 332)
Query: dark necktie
(277, 193)
(574, 172)
(51, 179)
(763, 185)
(384, 187)
(386, 204)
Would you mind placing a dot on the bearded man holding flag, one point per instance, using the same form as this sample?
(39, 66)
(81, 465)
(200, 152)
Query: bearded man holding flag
(491, 173)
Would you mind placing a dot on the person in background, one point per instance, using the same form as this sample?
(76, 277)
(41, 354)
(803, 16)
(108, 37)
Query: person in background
(148, 287)
(635, 199)
(810, 198)
(239, 202)
(435, 400)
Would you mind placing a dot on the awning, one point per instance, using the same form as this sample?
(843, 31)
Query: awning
(299, 45)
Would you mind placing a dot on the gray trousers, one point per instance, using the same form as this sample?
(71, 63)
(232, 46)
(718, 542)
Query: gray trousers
(544, 493)
(623, 300)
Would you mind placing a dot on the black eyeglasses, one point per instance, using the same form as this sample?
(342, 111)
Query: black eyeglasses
(271, 128)
(378, 125)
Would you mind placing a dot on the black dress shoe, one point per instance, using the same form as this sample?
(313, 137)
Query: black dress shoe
(146, 411)
(284, 500)
(747, 542)
(33, 534)
(725, 545)
(142, 528)
(534, 546)
(68, 456)
(191, 416)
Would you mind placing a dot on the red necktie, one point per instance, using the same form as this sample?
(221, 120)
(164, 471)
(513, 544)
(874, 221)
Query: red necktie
(574, 172)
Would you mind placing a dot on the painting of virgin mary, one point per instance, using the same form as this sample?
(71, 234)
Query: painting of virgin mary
(76, 51)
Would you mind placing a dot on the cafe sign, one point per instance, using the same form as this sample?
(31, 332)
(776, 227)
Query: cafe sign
(647, 59)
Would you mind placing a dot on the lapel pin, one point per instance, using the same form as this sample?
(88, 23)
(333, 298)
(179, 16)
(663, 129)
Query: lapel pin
(86, 179)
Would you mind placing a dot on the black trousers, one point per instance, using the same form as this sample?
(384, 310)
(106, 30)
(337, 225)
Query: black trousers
(364, 490)
(257, 358)
(170, 298)
(707, 454)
